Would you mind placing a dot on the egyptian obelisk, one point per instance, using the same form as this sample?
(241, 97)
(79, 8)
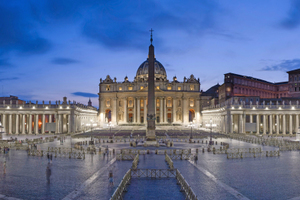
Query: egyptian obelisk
(150, 134)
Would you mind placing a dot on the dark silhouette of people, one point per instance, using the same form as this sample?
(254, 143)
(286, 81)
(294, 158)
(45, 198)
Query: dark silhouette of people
(48, 174)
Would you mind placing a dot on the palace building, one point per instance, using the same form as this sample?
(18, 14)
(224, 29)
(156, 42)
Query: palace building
(125, 103)
(251, 105)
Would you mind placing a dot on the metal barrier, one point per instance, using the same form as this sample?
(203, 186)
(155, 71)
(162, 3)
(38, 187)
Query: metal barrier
(62, 154)
(153, 173)
(185, 187)
(122, 186)
(125, 156)
(169, 161)
(135, 162)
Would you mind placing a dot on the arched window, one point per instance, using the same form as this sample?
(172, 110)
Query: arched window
(192, 102)
(191, 115)
(107, 115)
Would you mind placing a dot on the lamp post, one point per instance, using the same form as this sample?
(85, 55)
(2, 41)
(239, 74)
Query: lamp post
(191, 125)
(210, 142)
(110, 125)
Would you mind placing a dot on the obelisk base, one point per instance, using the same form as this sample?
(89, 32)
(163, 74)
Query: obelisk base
(151, 138)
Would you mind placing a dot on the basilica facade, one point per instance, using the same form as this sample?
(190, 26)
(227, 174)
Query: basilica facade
(125, 103)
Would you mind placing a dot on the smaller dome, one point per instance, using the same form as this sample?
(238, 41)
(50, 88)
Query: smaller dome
(159, 70)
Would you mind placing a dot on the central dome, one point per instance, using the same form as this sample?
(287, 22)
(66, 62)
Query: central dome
(159, 71)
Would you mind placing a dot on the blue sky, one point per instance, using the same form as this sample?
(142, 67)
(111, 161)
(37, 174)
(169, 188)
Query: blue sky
(55, 48)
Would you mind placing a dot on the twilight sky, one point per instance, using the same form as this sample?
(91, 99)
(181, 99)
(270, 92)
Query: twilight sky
(55, 48)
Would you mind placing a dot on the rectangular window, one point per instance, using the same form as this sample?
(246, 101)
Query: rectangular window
(108, 103)
(295, 89)
(179, 88)
(157, 87)
(142, 103)
(169, 88)
(141, 87)
(130, 88)
(191, 102)
(130, 103)
(120, 88)
(169, 102)
(157, 102)
(192, 87)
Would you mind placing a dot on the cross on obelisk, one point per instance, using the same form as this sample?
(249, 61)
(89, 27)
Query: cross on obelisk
(150, 134)
(151, 40)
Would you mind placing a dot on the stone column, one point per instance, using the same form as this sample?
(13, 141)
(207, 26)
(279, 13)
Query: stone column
(43, 123)
(184, 111)
(56, 123)
(17, 124)
(197, 113)
(114, 111)
(60, 123)
(138, 112)
(9, 123)
(165, 110)
(161, 112)
(30, 124)
(244, 123)
(134, 111)
(75, 123)
(36, 124)
(297, 123)
(278, 124)
(230, 125)
(257, 124)
(4, 122)
(174, 109)
(145, 111)
(291, 124)
(264, 124)
(271, 125)
(69, 123)
(23, 123)
(240, 123)
(50, 118)
(251, 121)
(125, 110)
(283, 124)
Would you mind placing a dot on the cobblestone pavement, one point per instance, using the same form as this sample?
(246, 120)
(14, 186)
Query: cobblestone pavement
(212, 177)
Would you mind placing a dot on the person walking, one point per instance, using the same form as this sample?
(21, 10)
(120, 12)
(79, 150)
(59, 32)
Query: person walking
(51, 158)
(48, 174)
(48, 156)
(4, 167)
(111, 178)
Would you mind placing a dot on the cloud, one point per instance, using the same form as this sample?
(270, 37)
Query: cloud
(9, 79)
(120, 25)
(84, 94)
(18, 32)
(285, 65)
(293, 18)
(63, 61)
(5, 63)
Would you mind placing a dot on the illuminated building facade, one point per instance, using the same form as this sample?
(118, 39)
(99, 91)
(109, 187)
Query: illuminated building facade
(58, 117)
(125, 103)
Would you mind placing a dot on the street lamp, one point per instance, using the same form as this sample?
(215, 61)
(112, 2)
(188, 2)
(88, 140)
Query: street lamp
(210, 142)
(191, 125)
(110, 125)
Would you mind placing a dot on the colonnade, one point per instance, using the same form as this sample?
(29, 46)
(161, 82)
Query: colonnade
(264, 123)
(253, 122)
(33, 123)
